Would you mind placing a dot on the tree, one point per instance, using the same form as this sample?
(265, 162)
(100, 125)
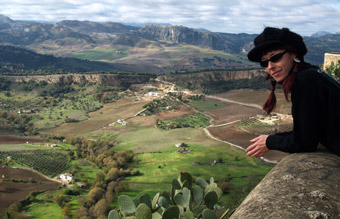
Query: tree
(94, 195)
(113, 174)
(334, 70)
(67, 210)
(100, 209)
(81, 213)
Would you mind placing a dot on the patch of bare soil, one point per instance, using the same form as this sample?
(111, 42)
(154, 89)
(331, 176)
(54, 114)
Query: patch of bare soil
(258, 97)
(18, 183)
(241, 138)
(151, 120)
(173, 114)
(19, 140)
(232, 113)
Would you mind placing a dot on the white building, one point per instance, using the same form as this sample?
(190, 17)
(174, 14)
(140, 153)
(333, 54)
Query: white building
(66, 177)
(153, 94)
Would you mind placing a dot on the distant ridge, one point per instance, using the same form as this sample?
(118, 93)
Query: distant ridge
(153, 48)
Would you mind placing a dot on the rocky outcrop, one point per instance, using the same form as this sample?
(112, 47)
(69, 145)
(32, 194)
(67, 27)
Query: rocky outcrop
(213, 75)
(104, 79)
(302, 185)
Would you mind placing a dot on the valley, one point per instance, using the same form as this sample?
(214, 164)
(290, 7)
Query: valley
(128, 117)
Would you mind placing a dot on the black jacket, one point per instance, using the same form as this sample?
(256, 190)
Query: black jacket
(316, 114)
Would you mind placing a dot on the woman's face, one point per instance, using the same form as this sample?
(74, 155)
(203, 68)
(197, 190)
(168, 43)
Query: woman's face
(278, 63)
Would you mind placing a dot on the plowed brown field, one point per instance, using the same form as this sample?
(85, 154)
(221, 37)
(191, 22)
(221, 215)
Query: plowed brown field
(11, 191)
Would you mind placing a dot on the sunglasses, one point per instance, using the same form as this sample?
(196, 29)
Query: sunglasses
(274, 58)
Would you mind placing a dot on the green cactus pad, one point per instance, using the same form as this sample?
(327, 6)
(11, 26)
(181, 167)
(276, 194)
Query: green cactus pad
(143, 211)
(210, 199)
(209, 214)
(171, 213)
(185, 177)
(113, 214)
(146, 200)
(126, 205)
(166, 195)
(175, 184)
(201, 182)
(214, 188)
(184, 198)
(155, 200)
(212, 180)
(188, 215)
(156, 215)
(198, 210)
(197, 193)
(163, 202)
(187, 184)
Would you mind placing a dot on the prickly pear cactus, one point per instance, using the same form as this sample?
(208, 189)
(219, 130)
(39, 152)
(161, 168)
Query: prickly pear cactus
(183, 198)
(201, 182)
(209, 214)
(185, 179)
(186, 201)
(171, 213)
(146, 200)
(188, 215)
(210, 199)
(197, 193)
(143, 211)
(113, 214)
(163, 203)
(155, 200)
(126, 205)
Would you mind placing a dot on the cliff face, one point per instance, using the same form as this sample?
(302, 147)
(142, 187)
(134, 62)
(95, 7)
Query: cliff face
(304, 185)
(104, 79)
(215, 76)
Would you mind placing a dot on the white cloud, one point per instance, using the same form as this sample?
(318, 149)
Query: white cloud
(233, 16)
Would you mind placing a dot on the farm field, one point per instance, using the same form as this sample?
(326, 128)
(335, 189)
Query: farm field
(19, 183)
(258, 97)
(110, 113)
(231, 113)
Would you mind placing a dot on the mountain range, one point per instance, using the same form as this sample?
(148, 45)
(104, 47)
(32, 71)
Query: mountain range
(150, 48)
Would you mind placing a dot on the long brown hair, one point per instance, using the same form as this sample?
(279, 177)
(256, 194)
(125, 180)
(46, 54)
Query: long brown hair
(287, 86)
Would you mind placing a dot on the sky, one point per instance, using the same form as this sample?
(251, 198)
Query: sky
(228, 16)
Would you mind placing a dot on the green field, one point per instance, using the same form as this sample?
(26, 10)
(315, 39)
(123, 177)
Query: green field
(208, 104)
(106, 55)
(159, 162)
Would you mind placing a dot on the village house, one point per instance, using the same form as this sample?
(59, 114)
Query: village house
(153, 94)
(66, 177)
(121, 121)
(51, 145)
(8, 159)
(25, 111)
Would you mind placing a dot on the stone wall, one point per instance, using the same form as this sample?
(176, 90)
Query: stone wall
(305, 185)
(329, 58)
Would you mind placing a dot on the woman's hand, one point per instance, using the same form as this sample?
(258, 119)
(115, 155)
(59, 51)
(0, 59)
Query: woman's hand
(259, 147)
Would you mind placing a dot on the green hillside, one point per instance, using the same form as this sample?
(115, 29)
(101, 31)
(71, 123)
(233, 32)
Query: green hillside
(18, 61)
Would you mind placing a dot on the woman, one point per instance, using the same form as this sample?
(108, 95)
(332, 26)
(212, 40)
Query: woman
(315, 96)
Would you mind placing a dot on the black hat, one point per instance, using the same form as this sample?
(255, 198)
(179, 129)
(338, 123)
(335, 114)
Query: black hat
(275, 37)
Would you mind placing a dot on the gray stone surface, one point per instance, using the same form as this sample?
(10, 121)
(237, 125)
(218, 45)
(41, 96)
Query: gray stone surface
(305, 185)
